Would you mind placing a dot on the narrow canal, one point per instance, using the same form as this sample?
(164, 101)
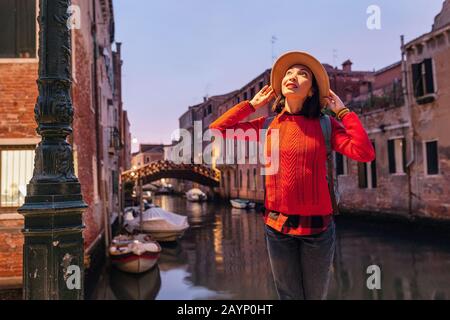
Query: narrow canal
(223, 256)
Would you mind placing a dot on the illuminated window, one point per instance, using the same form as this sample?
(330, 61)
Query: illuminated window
(15, 173)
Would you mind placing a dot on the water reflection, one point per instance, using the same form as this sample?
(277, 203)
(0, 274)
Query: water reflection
(414, 264)
(126, 286)
(223, 256)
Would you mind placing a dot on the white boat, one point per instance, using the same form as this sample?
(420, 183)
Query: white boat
(134, 253)
(162, 225)
(242, 204)
(196, 195)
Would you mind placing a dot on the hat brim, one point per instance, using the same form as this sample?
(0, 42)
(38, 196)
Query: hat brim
(287, 60)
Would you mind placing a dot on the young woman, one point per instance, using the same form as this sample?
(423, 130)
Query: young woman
(300, 229)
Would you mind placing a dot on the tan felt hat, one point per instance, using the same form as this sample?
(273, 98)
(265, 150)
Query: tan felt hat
(287, 60)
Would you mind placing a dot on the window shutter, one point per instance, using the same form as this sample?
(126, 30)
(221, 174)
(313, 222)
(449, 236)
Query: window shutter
(339, 164)
(26, 28)
(391, 156)
(417, 79)
(404, 154)
(429, 75)
(373, 166)
(373, 170)
(7, 28)
(432, 157)
(362, 175)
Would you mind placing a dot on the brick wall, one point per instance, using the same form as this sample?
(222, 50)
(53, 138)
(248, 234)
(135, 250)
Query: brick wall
(84, 136)
(18, 96)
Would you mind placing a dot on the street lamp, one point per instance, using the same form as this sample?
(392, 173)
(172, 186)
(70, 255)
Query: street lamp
(53, 249)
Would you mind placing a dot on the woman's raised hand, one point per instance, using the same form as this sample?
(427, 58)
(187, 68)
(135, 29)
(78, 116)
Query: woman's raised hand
(263, 97)
(334, 103)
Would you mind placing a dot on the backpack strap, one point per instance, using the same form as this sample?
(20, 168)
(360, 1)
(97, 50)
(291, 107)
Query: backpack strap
(266, 125)
(325, 123)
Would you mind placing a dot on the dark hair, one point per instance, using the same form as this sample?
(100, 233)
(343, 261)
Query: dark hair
(311, 107)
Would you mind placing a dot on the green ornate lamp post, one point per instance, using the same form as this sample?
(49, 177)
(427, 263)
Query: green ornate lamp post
(53, 248)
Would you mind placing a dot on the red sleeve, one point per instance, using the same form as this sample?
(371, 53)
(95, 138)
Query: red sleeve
(351, 139)
(231, 119)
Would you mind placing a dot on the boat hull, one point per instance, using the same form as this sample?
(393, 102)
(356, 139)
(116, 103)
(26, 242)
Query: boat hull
(164, 236)
(133, 263)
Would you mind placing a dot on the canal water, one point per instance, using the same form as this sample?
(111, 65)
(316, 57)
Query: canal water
(223, 256)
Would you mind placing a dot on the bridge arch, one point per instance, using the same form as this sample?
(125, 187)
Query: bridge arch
(167, 169)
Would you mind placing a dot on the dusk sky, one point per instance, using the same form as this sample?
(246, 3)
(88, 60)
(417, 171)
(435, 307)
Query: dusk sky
(176, 52)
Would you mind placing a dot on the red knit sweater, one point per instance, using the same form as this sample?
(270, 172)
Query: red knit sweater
(300, 185)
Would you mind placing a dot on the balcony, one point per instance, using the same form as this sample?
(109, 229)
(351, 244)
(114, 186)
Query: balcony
(371, 102)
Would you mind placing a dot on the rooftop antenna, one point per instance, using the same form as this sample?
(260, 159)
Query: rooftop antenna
(273, 40)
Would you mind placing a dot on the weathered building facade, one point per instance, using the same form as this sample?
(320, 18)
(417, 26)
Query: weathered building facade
(147, 153)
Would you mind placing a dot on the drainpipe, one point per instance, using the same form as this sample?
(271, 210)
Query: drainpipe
(409, 164)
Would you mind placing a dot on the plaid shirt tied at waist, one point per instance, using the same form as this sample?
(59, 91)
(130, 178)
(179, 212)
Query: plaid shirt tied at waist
(295, 224)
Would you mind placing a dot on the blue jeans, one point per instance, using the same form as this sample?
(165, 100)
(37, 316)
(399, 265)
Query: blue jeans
(301, 265)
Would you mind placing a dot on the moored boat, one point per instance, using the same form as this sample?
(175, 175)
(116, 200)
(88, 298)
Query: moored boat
(134, 253)
(162, 225)
(242, 204)
(196, 195)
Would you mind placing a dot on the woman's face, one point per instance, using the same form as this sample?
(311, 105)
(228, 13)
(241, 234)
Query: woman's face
(297, 81)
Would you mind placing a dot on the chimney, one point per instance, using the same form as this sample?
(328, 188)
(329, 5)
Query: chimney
(118, 47)
(347, 66)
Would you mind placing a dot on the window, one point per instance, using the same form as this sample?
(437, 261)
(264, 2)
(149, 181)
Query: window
(245, 96)
(248, 179)
(432, 163)
(362, 175)
(115, 182)
(367, 174)
(18, 29)
(252, 92)
(235, 180)
(16, 170)
(209, 109)
(261, 85)
(254, 178)
(397, 155)
(247, 148)
(423, 82)
(341, 164)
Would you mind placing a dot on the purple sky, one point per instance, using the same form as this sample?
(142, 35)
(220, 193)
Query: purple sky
(176, 52)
